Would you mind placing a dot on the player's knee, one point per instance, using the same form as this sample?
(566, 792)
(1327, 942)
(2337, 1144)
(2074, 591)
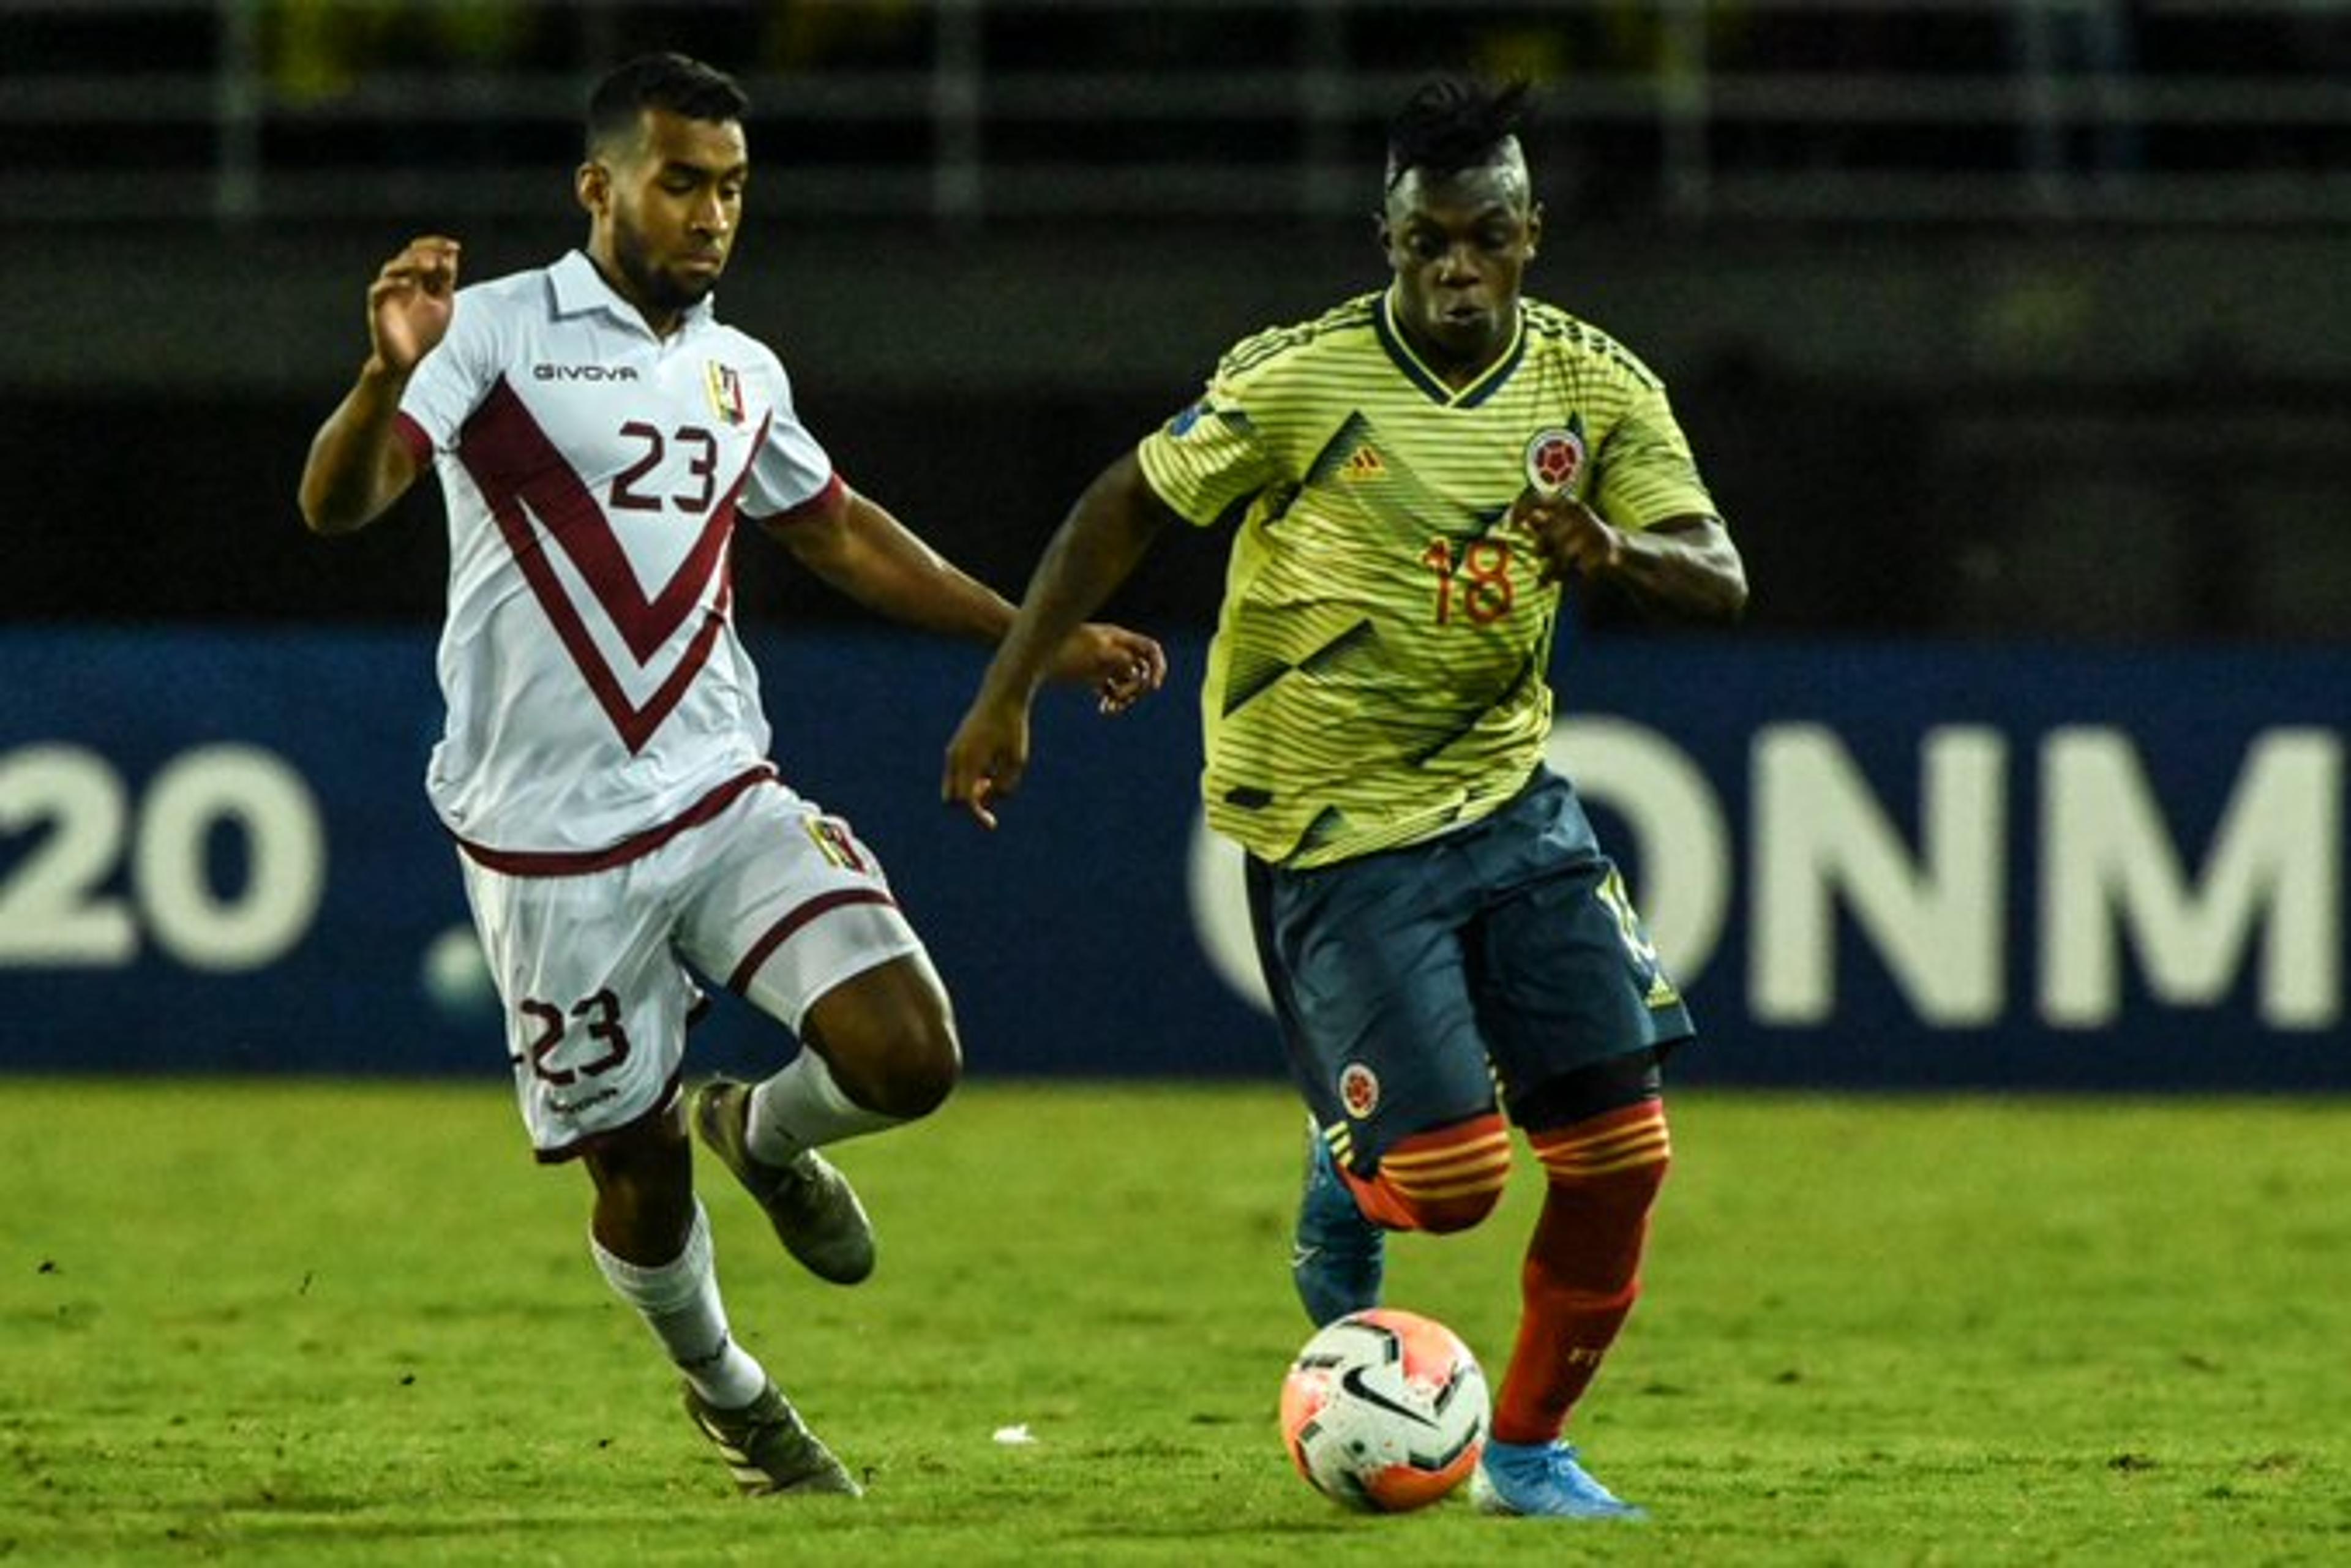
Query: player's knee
(1618, 1160)
(1452, 1212)
(1449, 1179)
(889, 1037)
(902, 1069)
(919, 1074)
(902, 1079)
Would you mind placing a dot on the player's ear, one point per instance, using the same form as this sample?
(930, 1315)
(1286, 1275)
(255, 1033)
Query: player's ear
(593, 185)
(1534, 229)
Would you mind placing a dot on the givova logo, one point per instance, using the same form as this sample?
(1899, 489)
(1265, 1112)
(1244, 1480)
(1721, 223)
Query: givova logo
(583, 372)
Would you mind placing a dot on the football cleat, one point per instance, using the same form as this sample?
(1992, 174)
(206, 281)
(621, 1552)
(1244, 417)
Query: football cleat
(1338, 1257)
(1543, 1480)
(769, 1448)
(814, 1209)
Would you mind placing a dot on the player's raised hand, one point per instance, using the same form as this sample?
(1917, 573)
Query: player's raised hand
(1123, 666)
(411, 301)
(1571, 535)
(986, 758)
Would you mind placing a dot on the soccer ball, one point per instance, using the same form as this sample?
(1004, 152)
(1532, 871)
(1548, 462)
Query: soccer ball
(1384, 1411)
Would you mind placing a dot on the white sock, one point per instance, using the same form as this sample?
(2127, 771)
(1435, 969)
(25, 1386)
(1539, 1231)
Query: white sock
(679, 1302)
(802, 1108)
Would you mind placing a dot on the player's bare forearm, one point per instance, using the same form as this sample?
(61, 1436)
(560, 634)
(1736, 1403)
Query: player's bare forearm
(859, 549)
(357, 467)
(1095, 549)
(1688, 566)
(862, 551)
(1685, 566)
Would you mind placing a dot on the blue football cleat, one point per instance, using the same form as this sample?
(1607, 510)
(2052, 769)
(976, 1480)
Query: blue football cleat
(1338, 1256)
(1542, 1481)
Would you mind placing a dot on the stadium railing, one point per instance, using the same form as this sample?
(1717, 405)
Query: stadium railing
(969, 113)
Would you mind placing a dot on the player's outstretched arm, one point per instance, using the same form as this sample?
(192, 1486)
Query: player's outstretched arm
(1095, 549)
(358, 468)
(857, 546)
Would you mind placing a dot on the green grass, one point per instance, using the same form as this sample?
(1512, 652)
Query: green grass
(263, 1321)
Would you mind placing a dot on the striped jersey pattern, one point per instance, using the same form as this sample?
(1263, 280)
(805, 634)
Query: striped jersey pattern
(1380, 668)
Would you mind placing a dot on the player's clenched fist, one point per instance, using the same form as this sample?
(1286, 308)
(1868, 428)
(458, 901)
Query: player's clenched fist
(1571, 535)
(409, 304)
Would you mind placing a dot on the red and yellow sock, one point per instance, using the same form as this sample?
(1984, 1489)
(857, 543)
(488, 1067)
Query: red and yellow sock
(1583, 1266)
(1439, 1181)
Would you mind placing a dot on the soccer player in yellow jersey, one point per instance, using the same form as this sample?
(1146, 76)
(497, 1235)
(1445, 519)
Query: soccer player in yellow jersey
(1414, 479)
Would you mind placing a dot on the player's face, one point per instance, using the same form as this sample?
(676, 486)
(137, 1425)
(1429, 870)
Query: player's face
(1459, 243)
(666, 210)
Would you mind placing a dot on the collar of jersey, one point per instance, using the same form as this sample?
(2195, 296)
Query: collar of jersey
(1429, 381)
(579, 287)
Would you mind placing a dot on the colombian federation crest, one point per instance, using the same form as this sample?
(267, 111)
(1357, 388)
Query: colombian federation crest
(1555, 460)
(726, 387)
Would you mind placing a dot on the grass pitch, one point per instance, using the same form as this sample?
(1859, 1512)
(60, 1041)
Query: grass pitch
(261, 1322)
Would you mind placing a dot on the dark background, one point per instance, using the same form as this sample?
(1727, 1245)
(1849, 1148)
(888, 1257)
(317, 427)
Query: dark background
(1954, 366)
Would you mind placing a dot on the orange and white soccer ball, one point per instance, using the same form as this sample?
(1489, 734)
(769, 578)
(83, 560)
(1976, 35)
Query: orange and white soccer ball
(1385, 1410)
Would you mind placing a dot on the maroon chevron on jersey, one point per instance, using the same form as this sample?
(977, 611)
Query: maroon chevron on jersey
(594, 473)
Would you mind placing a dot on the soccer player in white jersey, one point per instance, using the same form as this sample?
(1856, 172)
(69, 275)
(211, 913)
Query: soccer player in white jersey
(1412, 476)
(603, 770)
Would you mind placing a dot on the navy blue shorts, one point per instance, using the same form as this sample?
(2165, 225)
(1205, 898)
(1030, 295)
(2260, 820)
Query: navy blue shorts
(1415, 985)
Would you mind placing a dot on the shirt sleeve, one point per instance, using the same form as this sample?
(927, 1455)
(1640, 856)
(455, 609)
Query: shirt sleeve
(1210, 457)
(791, 468)
(451, 382)
(1647, 472)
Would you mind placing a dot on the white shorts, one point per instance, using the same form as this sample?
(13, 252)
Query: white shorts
(770, 897)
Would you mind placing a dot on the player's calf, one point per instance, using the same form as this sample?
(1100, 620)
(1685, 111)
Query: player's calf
(1583, 1266)
(888, 1041)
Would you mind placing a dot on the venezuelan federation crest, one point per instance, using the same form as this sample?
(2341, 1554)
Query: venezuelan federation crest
(724, 384)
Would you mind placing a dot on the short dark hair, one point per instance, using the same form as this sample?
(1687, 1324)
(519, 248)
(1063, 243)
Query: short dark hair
(671, 82)
(1452, 123)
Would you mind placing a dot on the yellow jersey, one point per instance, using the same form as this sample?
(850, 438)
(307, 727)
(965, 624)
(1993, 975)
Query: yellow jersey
(1379, 671)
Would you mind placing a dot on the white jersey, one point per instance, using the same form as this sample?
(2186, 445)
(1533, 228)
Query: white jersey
(598, 697)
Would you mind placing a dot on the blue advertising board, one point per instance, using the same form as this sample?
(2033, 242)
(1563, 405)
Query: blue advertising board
(1885, 866)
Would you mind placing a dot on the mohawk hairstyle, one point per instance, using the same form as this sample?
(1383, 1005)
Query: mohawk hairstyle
(671, 82)
(1452, 123)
